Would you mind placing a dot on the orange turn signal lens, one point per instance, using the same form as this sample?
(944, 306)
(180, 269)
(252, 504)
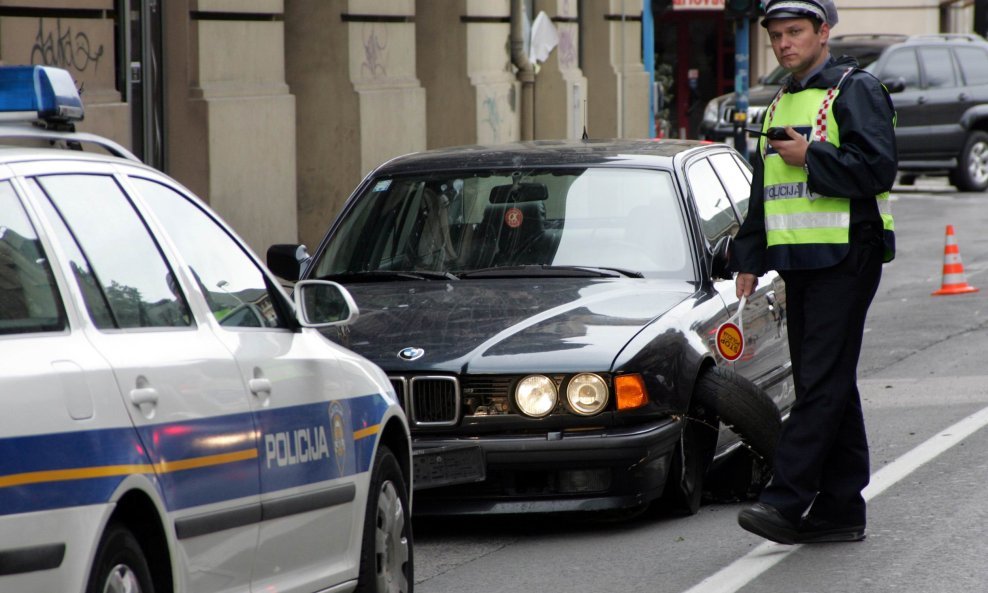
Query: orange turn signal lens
(630, 391)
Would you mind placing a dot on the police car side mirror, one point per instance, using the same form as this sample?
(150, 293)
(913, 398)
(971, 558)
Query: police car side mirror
(720, 261)
(288, 261)
(321, 303)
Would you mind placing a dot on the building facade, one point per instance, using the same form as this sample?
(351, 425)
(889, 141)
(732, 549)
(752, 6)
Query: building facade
(273, 110)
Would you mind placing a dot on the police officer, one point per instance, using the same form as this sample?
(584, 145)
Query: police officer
(819, 215)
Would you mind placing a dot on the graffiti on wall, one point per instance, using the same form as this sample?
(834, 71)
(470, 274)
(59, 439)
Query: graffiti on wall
(492, 117)
(60, 46)
(375, 53)
(567, 48)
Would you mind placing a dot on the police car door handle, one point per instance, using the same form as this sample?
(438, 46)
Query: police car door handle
(260, 386)
(144, 395)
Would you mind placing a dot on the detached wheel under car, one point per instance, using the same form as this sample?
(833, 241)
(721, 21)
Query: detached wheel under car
(743, 407)
(971, 173)
(120, 565)
(386, 552)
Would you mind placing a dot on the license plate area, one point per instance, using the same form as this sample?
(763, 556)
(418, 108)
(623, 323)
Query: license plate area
(448, 465)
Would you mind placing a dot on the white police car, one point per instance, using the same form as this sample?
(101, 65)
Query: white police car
(170, 421)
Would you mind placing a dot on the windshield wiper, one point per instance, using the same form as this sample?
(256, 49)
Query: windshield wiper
(389, 276)
(550, 271)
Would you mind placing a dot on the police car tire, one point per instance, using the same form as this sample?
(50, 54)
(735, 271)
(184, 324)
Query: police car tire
(386, 556)
(743, 407)
(120, 559)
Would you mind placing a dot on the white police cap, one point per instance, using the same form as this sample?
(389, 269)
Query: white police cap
(821, 10)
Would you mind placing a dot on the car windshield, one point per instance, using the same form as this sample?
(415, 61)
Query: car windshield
(604, 222)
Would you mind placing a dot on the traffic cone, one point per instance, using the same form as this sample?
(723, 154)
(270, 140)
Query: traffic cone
(954, 281)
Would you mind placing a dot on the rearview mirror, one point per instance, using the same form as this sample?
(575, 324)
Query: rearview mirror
(895, 85)
(287, 261)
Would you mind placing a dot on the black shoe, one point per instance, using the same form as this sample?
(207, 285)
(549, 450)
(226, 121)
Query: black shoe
(765, 520)
(821, 531)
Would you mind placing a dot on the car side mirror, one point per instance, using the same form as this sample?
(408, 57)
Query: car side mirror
(321, 303)
(895, 85)
(288, 261)
(720, 267)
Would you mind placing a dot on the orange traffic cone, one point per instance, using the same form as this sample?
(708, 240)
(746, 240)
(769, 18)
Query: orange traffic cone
(954, 281)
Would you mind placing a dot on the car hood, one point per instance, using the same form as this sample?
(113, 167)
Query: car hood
(505, 325)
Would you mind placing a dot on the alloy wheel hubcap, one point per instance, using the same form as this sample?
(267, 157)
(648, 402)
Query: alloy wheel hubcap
(391, 544)
(121, 580)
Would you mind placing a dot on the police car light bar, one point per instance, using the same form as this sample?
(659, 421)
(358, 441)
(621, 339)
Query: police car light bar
(38, 92)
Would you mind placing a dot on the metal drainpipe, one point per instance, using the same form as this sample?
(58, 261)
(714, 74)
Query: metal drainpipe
(526, 72)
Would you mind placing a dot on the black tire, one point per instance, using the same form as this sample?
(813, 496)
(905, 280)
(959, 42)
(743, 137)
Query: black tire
(386, 552)
(120, 565)
(743, 407)
(683, 490)
(971, 173)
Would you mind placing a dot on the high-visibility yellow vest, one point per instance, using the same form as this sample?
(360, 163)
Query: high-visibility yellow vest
(812, 229)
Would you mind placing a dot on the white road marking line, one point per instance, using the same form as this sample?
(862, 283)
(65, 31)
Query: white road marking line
(742, 571)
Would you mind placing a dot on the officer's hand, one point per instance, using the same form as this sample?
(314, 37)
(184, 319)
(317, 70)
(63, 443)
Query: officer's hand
(745, 284)
(793, 150)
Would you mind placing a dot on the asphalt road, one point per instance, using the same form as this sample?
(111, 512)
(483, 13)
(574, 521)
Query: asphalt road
(924, 381)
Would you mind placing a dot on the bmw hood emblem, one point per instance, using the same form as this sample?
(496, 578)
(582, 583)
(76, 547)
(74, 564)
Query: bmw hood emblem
(411, 353)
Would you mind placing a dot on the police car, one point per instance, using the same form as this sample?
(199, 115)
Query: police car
(171, 420)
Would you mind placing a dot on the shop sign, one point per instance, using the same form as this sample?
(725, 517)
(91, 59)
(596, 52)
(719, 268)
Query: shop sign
(698, 4)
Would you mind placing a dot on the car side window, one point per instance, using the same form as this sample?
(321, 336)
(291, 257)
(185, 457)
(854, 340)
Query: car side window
(120, 269)
(974, 64)
(902, 64)
(737, 183)
(236, 290)
(29, 299)
(938, 65)
(717, 217)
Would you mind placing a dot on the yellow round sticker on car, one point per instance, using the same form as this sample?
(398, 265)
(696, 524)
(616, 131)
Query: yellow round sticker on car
(730, 341)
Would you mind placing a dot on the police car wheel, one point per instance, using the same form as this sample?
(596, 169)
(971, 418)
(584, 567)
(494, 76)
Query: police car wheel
(120, 565)
(386, 553)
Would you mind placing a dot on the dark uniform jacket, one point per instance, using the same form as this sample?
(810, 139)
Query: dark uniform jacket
(862, 167)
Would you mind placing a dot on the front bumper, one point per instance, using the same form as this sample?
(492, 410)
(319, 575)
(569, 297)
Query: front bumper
(602, 469)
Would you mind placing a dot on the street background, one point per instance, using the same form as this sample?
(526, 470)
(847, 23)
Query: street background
(923, 369)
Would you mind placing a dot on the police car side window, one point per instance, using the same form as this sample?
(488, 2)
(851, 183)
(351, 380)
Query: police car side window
(234, 287)
(123, 276)
(717, 217)
(29, 300)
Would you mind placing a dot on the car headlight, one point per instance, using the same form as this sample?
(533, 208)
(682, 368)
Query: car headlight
(587, 394)
(536, 395)
(711, 114)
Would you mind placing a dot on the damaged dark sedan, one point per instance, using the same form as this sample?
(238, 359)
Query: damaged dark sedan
(547, 313)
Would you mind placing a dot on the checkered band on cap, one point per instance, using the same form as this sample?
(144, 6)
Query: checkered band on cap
(823, 10)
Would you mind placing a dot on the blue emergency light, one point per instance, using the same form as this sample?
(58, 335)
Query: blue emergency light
(39, 92)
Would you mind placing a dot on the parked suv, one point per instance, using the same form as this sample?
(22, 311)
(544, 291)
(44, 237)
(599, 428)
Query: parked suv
(939, 84)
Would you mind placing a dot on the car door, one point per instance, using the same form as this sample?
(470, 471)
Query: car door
(298, 394)
(946, 100)
(713, 181)
(179, 383)
(912, 119)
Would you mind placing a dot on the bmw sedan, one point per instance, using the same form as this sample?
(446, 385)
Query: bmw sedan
(549, 315)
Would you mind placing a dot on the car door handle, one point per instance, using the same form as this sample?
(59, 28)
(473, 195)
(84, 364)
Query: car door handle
(963, 97)
(921, 100)
(144, 395)
(260, 386)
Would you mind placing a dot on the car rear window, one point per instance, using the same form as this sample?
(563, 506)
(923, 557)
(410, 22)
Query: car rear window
(29, 299)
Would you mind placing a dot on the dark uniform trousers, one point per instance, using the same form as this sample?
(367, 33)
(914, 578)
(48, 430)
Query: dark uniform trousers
(822, 455)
